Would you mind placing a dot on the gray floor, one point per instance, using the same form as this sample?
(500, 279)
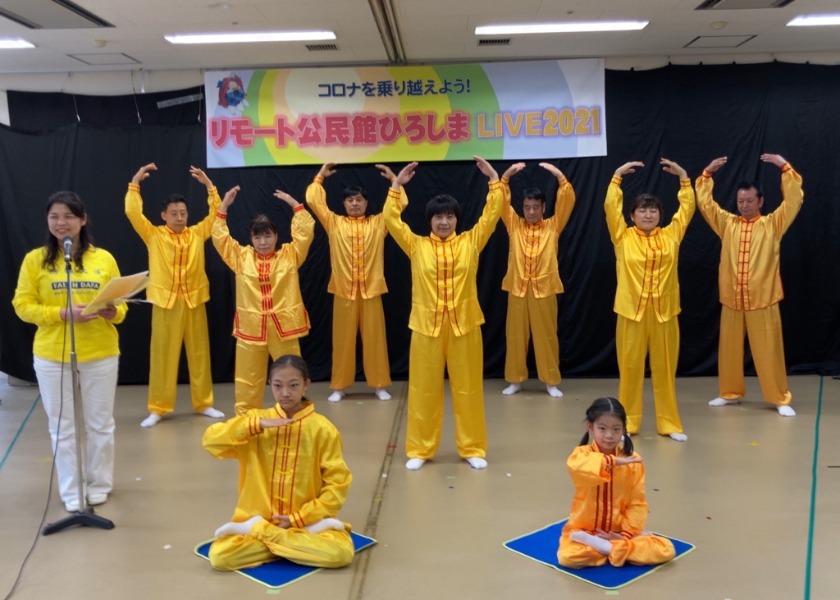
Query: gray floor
(740, 489)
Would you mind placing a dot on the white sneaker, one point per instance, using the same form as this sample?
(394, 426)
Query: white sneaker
(71, 507)
(414, 464)
(97, 499)
(786, 411)
(722, 402)
(476, 462)
(213, 413)
(382, 394)
(336, 396)
(678, 436)
(513, 388)
(553, 391)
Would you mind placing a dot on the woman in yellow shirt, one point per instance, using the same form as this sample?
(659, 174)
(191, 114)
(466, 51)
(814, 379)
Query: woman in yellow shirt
(41, 299)
(647, 297)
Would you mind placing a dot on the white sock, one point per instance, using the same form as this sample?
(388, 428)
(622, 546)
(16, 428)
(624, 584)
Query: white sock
(212, 413)
(414, 464)
(336, 396)
(234, 528)
(476, 462)
(151, 420)
(512, 389)
(678, 436)
(786, 411)
(553, 391)
(324, 525)
(601, 545)
(382, 394)
(721, 402)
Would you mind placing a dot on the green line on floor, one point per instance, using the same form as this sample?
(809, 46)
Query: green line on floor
(810, 552)
(17, 434)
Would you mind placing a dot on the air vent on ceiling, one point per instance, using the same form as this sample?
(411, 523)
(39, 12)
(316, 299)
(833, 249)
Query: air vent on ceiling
(737, 4)
(321, 47)
(495, 42)
(50, 14)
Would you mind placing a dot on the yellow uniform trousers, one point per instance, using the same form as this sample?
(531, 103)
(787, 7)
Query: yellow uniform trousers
(763, 327)
(644, 549)
(634, 340)
(267, 542)
(463, 357)
(170, 328)
(366, 317)
(251, 369)
(527, 317)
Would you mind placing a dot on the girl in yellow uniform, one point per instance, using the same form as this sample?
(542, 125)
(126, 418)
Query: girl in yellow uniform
(292, 480)
(609, 510)
(270, 316)
(647, 298)
(445, 320)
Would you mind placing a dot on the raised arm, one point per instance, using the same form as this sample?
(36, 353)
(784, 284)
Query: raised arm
(508, 214)
(564, 201)
(614, 202)
(392, 212)
(712, 213)
(493, 206)
(316, 196)
(792, 195)
(303, 226)
(204, 227)
(228, 248)
(134, 203)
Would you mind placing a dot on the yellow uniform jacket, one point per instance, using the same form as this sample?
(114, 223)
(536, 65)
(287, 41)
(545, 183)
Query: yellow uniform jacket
(607, 497)
(749, 277)
(443, 272)
(532, 257)
(646, 265)
(176, 260)
(297, 470)
(356, 248)
(267, 287)
(42, 292)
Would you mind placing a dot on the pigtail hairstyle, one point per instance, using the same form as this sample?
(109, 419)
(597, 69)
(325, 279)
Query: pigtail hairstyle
(603, 406)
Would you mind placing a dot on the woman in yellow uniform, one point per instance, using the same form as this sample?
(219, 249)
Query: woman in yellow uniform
(270, 316)
(647, 298)
(445, 320)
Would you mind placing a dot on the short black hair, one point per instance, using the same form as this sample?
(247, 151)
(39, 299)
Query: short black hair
(261, 225)
(355, 190)
(442, 204)
(533, 193)
(645, 201)
(750, 185)
(173, 199)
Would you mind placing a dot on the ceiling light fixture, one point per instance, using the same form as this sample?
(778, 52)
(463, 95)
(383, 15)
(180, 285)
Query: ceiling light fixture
(814, 21)
(578, 27)
(10, 44)
(242, 38)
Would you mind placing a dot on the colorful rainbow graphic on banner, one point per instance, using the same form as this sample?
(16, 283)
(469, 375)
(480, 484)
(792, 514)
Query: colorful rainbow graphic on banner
(534, 109)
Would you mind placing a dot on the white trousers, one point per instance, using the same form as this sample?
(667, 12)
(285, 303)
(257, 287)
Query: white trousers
(98, 384)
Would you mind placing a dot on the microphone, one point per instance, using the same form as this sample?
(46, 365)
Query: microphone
(68, 248)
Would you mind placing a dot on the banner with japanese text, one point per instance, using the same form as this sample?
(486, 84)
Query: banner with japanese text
(510, 111)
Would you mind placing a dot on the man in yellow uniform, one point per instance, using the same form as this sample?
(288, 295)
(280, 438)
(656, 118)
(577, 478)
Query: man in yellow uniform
(445, 320)
(533, 282)
(357, 283)
(750, 284)
(178, 291)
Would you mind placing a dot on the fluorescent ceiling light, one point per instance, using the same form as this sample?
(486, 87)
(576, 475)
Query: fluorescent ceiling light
(578, 27)
(241, 38)
(814, 20)
(6, 43)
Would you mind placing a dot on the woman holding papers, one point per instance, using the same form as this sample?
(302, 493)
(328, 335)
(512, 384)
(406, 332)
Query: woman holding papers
(41, 298)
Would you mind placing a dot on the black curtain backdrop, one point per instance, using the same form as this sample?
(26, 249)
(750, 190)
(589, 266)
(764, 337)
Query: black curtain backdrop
(690, 114)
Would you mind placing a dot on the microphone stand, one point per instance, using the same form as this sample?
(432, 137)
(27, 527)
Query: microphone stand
(85, 517)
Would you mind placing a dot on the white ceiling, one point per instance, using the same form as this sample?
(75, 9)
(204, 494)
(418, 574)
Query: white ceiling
(431, 31)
